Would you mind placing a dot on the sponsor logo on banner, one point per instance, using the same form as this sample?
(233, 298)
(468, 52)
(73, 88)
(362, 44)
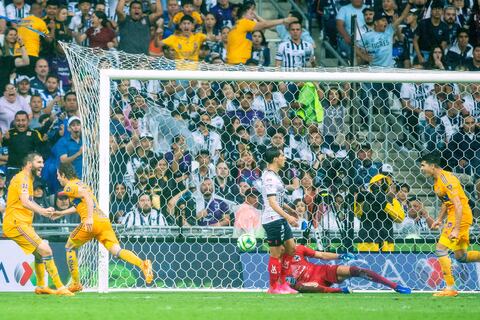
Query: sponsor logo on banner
(16, 268)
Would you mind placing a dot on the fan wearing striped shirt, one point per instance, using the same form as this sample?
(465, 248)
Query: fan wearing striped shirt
(143, 214)
(295, 53)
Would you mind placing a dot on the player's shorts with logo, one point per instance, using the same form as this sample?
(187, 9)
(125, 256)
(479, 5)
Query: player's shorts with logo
(322, 275)
(278, 232)
(102, 232)
(463, 240)
(23, 234)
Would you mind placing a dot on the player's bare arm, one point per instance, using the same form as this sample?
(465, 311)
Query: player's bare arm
(31, 205)
(441, 217)
(272, 201)
(58, 214)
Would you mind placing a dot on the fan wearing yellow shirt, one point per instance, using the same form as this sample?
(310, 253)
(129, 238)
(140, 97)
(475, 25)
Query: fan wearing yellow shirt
(17, 225)
(94, 225)
(186, 44)
(239, 43)
(188, 10)
(456, 209)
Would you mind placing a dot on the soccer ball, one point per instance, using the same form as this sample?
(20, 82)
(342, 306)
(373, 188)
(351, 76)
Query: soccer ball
(246, 242)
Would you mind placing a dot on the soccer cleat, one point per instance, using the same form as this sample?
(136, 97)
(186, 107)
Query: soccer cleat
(75, 287)
(346, 290)
(44, 290)
(147, 271)
(64, 292)
(285, 287)
(403, 290)
(446, 293)
(276, 290)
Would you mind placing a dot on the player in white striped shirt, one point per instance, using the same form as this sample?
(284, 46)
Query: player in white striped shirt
(295, 53)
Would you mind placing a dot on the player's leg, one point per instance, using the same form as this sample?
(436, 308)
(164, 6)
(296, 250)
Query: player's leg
(78, 237)
(287, 257)
(464, 256)
(315, 287)
(46, 253)
(106, 236)
(460, 249)
(40, 275)
(441, 251)
(346, 272)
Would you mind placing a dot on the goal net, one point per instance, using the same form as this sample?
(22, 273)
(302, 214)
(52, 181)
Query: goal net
(175, 152)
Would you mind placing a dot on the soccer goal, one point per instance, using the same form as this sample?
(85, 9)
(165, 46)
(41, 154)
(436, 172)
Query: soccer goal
(174, 151)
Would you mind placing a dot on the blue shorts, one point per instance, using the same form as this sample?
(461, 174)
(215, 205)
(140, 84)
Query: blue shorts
(278, 232)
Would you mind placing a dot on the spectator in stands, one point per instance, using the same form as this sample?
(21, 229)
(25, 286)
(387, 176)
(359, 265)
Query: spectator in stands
(142, 181)
(18, 9)
(140, 156)
(211, 211)
(72, 146)
(245, 113)
(334, 115)
(36, 112)
(239, 47)
(344, 28)
(295, 52)
(247, 216)
(81, 21)
(120, 203)
(364, 166)
(431, 32)
(450, 19)
(41, 72)
(307, 191)
(179, 158)
(188, 9)
(284, 35)
(62, 202)
(416, 220)
(260, 50)
(219, 50)
(271, 102)
(225, 186)
(143, 214)
(23, 87)
(474, 24)
(99, 35)
(7, 48)
(377, 47)
(52, 95)
(20, 141)
(31, 38)
(368, 14)
(223, 14)
(390, 10)
(187, 44)
(308, 106)
(163, 184)
(211, 30)
(408, 33)
(206, 138)
(259, 135)
(10, 104)
(402, 194)
(471, 102)
(435, 107)
(202, 168)
(8, 63)
(134, 29)
(473, 64)
(465, 147)
(172, 9)
(62, 32)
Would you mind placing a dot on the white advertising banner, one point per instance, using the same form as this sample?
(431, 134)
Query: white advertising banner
(16, 269)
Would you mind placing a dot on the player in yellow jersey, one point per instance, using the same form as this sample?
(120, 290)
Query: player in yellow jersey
(17, 225)
(94, 225)
(456, 209)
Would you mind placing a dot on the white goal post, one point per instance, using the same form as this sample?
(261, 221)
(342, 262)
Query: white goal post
(349, 75)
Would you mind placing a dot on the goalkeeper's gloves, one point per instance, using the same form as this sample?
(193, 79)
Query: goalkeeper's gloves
(347, 256)
(346, 290)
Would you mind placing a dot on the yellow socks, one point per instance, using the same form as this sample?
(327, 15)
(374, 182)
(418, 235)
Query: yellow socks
(73, 265)
(446, 265)
(52, 271)
(473, 256)
(130, 257)
(40, 273)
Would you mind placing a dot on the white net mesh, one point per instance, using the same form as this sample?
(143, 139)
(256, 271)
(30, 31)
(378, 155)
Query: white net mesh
(186, 159)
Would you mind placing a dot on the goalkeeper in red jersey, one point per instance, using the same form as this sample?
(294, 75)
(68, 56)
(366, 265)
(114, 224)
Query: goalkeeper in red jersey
(312, 278)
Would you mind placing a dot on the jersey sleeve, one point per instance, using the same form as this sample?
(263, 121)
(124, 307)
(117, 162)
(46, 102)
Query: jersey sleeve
(405, 91)
(279, 55)
(42, 27)
(342, 13)
(197, 17)
(177, 18)
(306, 251)
(170, 41)
(23, 188)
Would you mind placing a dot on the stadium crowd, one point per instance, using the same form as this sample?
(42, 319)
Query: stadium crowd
(208, 174)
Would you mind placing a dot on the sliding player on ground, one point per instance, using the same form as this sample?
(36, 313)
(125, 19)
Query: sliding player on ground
(17, 225)
(94, 224)
(313, 278)
(455, 232)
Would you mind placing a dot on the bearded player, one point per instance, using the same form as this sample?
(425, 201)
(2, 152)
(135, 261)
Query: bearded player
(17, 225)
(94, 224)
(456, 209)
(313, 278)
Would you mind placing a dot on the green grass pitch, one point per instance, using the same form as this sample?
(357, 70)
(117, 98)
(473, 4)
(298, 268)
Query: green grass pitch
(196, 305)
